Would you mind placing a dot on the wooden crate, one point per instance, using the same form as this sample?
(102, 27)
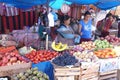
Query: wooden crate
(108, 75)
(90, 72)
(77, 73)
(14, 69)
(66, 73)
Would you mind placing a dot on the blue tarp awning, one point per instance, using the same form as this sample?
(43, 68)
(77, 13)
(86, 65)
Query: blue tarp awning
(24, 4)
(82, 2)
(107, 4)
(102, 4)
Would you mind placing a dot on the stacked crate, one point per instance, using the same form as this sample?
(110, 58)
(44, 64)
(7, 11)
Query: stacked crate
(77, 73)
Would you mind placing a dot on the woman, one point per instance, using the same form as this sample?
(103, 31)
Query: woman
(66, 34)
(85, 27)
(104, 25)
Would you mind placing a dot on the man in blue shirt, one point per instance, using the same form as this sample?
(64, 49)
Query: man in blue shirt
(85, 27)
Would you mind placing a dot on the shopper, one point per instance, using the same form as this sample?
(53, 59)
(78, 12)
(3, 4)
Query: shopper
(66, 34)
(85, 27)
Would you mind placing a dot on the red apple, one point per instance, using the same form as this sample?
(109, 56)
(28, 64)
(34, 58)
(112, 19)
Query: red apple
(13, 59)
(13, 54)
(5, 60)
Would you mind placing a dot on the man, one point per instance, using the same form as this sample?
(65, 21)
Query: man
(85, 27)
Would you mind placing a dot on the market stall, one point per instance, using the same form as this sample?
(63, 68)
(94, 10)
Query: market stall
(91, 60)
(21, 57)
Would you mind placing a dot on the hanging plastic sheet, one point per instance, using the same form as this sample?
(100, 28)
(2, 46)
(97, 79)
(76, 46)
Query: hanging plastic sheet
(102, 4)
(107, 4)
(25, 4)
(81, 2)
(58, 4)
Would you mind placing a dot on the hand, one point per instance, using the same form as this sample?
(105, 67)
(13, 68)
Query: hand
(76, 35)
(80, 33)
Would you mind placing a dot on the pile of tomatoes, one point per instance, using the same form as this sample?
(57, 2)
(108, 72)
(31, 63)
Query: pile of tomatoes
(41, 55)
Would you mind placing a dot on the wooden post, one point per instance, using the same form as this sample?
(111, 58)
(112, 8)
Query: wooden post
(80, 76)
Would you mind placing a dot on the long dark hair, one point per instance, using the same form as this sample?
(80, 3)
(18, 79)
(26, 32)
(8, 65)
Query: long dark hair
(64, 18)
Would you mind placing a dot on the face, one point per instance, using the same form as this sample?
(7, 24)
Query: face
(110, 17)
(87, 17)
(67, 21)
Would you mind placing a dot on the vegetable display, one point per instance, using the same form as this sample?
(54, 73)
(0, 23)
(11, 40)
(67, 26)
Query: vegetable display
(7, 49)
(31, 74)
(41, 55)
(11, 59)
(112, 39)
(102, 44)
(87, 45)
(105, 53)
(59, 46)
(65, 59)
(86, 56)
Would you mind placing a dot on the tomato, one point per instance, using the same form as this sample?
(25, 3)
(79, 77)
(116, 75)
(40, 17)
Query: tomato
(41, 55)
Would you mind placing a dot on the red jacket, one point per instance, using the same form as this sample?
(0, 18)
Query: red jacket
(108, 24)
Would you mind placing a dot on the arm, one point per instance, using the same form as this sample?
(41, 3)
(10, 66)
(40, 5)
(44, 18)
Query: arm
(64, 32)
(79, 29)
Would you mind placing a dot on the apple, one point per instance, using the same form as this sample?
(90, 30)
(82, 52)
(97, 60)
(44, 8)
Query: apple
(13, 59)
(5, 60)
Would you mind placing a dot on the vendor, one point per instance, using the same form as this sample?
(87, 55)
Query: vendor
(65, 33)
(85, 27)
(104, 25)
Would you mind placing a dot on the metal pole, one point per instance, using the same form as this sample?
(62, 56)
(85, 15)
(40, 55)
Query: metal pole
(47, 25)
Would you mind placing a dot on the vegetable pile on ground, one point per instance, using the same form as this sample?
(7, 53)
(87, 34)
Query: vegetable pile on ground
(41, 55)
(31, 74)
(65, 59)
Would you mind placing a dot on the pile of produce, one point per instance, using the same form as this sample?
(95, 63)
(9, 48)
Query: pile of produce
(102, 44)
(112, 39)
(87, 45)
(25, 50)
(41, 55)
(11, 59)
(85, 56)
(65, 59)
(76, 49)
(31, 74)
(7, 49)
(105, 53)
(59, 46)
